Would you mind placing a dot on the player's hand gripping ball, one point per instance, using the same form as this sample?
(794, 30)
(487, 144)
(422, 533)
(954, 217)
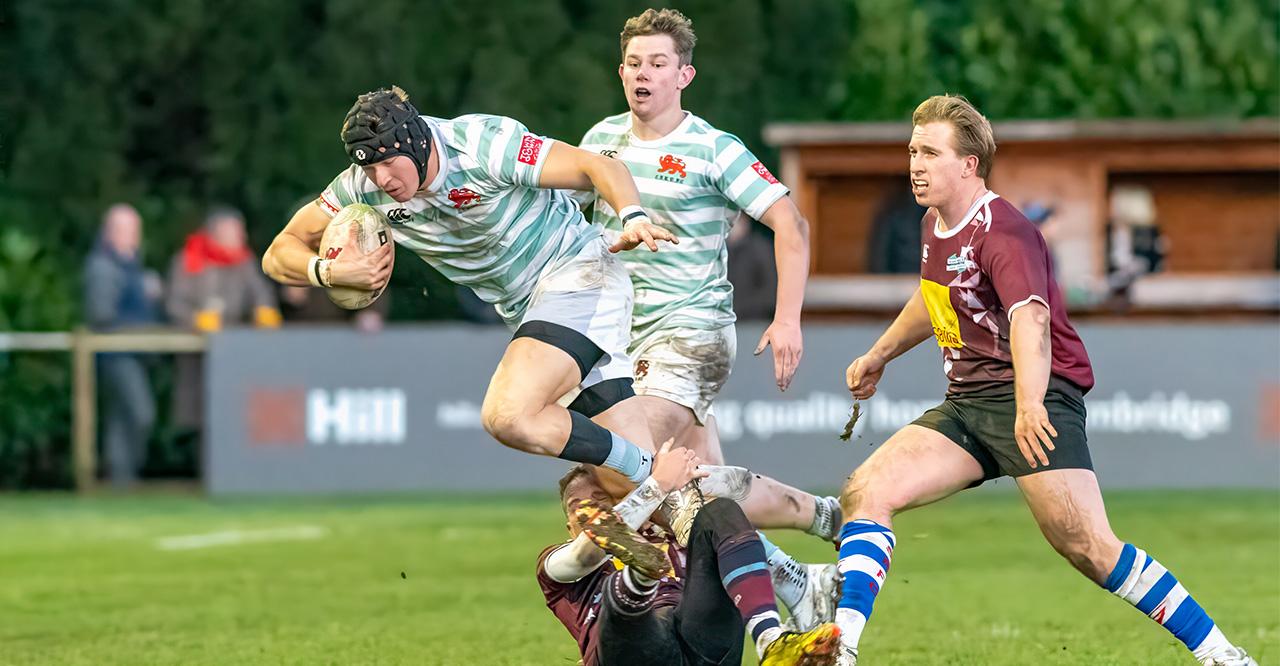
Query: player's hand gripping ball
(355, 232)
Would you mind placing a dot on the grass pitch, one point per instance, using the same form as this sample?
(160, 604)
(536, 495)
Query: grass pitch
(319, 581)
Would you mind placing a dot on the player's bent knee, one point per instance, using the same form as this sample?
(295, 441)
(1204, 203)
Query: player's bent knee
(863, 495)
(721, 516)
(507, 426)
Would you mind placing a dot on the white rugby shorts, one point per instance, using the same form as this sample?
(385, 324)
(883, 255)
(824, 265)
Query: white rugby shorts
(590, 294)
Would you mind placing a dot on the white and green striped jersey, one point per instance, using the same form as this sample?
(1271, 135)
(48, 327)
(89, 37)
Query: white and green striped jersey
(693, 182)
(482, 222)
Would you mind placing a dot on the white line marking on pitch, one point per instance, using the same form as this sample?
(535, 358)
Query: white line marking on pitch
(238, 537)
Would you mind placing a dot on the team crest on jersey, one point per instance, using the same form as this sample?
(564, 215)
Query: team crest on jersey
(463, 198)
(960, 263)
(642, 369)
(673, 166)
(763, 172)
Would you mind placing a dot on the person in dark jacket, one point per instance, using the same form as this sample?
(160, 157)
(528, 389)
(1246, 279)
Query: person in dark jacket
(121, 294)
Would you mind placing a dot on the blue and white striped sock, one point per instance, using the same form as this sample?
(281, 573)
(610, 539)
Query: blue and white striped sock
(866, 549)
(1142, 581)
(628, 459)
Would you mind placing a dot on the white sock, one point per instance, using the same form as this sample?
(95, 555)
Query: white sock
(767, 637)
(827, 518)
(789, 576)
(1213, 645)
(851, 624)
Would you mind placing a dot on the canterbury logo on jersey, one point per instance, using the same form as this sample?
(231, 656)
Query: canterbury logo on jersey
(398, 215)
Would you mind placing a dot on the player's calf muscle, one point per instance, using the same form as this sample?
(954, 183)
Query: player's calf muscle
(1090, 549)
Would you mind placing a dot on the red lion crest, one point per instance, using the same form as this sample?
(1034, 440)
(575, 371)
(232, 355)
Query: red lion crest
(463, 198)
(672, 165)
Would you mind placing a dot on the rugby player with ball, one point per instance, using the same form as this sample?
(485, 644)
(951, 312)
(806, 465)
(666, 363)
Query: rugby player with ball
(481, 199)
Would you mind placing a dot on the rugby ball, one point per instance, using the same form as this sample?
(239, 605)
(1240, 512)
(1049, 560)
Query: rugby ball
(372, 230)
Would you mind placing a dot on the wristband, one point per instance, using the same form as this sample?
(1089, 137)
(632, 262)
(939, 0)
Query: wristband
(313, 272)
(318, 272)
(632, 213)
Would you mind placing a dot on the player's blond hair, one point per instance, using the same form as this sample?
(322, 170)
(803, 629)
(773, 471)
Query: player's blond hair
(667, 22)
(973, 135)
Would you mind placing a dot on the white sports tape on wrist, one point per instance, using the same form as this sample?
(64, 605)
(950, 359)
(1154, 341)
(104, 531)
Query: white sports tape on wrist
(313, 272)
(632, 213)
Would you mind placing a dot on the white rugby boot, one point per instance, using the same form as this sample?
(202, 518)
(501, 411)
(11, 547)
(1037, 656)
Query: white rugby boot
(1234, 656)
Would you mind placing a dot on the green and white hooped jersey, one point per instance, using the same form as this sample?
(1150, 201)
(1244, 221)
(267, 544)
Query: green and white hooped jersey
(483, 222)
(694, 182)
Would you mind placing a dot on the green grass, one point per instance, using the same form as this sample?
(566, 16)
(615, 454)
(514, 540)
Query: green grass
(82, 582)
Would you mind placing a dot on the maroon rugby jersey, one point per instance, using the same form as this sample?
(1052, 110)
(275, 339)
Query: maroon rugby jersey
(977, 272)
(577, 605)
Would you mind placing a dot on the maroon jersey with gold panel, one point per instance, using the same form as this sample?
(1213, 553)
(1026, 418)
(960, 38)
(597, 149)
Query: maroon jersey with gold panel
(973, 276)
(577, 604)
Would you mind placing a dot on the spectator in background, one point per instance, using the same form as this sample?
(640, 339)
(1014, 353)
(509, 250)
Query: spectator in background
(1135, 246)
(752, 272)
(120, 294)
(215, 282)
(895, 232)
(1041, 215)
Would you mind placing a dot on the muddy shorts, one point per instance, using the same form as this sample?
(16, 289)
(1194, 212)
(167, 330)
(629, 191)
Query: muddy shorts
(982, 424)
(583, 306)
(687, 366)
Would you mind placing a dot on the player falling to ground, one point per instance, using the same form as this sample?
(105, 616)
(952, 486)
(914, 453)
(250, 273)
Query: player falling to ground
(478, 198)
(661, 603)
(1018, 373)
(695, 180)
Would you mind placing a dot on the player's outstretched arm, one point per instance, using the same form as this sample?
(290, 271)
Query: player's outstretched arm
(910, 329)
(570, 168)
(791, 254)
(288, 260)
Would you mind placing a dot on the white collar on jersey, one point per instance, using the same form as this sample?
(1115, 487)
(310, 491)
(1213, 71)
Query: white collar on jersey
(968, 217)
(653, 143)
(441, 158)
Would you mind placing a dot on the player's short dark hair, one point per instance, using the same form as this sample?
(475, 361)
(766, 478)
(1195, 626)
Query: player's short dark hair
(667, 22)
(972, 129)
(573, 473)
(580, 483)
